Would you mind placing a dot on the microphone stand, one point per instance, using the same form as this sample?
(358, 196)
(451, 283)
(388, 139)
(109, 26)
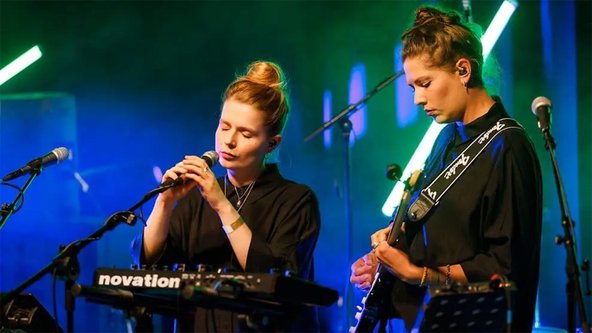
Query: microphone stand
(65, 263)
(346, 127)
(7, 210)
(573, 287)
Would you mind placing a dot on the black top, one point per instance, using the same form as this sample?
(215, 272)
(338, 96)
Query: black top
(490, 219)
(283, 216)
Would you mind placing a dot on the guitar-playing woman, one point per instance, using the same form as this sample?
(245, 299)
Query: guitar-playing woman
(489, 220)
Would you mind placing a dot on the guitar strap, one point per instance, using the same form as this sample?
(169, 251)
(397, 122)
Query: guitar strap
(431, 195)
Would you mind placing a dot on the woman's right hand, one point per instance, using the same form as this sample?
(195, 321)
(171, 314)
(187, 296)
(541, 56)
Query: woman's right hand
(173, 194)
(363, 271)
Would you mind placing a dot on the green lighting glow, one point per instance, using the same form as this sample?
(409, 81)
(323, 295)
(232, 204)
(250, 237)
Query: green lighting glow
(19, 64)
(497, 25)
(417, 161)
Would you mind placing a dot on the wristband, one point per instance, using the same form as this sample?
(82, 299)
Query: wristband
(229, 228)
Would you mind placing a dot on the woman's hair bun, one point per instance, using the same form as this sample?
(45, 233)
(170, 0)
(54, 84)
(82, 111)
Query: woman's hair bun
(265, 73)
(425, 15)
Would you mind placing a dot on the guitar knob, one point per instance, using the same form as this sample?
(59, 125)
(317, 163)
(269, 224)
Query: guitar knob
(359, 308)
(352, 329)
(364, 300)
(358, 315)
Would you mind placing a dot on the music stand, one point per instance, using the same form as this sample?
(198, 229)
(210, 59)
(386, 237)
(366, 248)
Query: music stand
(477, 307)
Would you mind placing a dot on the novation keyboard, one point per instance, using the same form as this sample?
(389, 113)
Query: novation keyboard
(167, 291)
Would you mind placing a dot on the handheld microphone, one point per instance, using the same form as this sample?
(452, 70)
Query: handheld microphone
(541, 107)
(53, 157)
(211, 159)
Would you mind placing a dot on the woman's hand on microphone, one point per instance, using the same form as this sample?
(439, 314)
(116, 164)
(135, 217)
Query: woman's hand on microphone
(198, 173)
(174, 193)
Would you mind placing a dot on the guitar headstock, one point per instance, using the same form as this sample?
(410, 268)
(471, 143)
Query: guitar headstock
(411, 183)
(414, 178)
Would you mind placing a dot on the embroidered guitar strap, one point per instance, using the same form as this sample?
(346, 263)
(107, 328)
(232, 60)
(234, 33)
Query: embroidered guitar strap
(432, 194)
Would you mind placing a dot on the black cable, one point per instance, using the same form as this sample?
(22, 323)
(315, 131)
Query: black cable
(214, 325)
(4, 207)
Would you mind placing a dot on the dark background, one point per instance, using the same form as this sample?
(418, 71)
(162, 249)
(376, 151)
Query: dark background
(133, 85)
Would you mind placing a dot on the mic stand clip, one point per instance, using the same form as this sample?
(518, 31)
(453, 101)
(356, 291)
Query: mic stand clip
(7, 210)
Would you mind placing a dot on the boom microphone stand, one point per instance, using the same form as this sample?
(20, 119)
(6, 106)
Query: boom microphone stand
(65, 263)
(346, 127)
(541, 107)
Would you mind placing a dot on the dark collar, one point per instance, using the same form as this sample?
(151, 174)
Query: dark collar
(473, 129)
(270, 175)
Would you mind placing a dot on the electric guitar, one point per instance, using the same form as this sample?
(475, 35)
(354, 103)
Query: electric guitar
(376, 302)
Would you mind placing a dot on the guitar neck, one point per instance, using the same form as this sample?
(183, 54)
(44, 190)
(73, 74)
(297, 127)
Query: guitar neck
(397, 221)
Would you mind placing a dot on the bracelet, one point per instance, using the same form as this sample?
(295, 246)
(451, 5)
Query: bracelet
(447, 275)
(230, 228)
(423, 277)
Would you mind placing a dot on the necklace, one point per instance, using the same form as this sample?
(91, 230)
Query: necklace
(242, 199)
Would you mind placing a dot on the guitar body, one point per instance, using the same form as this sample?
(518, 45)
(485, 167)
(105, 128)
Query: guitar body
(387, 287)
(376, 303)
(389, 297)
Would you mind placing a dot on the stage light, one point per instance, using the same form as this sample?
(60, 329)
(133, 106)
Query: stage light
(418, 158)
(19, 64)
(327, 101)
(497, 25)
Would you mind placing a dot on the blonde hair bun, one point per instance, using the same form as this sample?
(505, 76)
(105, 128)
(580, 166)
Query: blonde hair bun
(265, 73)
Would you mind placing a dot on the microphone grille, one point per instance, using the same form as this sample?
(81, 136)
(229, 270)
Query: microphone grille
(61, 153)
(538, 102)
(211, 156)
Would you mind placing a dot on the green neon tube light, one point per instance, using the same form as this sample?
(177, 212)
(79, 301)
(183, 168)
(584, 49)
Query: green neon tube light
(19, 64)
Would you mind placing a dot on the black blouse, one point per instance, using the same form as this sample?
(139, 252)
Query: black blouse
(490, 219)
(283, 216)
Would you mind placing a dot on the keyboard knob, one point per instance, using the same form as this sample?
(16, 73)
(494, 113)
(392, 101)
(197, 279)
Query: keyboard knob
(203, 268)
(179, 267)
